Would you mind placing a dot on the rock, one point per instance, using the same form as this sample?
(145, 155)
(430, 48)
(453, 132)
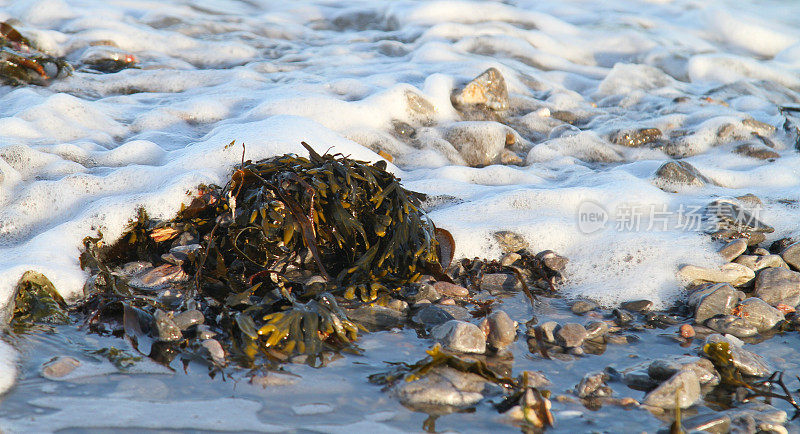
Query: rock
(204, 332)
(447, 289)
(755, 238)
(757, 313)
(593, 384)
(663, 369)
(687, 331)
(756, 263)
(59, 367)
(548, 331)
(377, 317)
(489, 89)
(622, 317)
(616, 339)
(721, 300)
(639, 380)
(500, 329)
(510, 258)
(510, 242)
(637, 306)
(747, 362)
(441, 386)
(760, 251)
(676, 173)
(570, 335)
(430, 316)
(552, 260)
(186, 319)
(733, 273)
(731, 325)
(596, 329)
(791, 255)
(398, 305)
(711, 423)
(272, 379)
(478, 142)
(499, 282)
(582, 306)
(426, 292)
(684, 384)
(724, 214)
(158, 277)
(460, 336)
(759, 412)
(733, 249)
(756, 151)
(180, 254)
(215, 350)
(458, 312)
(168, 331)
(778, 285)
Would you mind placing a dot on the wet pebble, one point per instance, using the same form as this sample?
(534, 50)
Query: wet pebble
(683, 384)
(596, 329)
(441, 386)
(731, 325)
(204, 332)
(59, 367)
(593, 384)
(778, 285)
(548, 331)
(168, 331)
(717, 299)
(637, 305)
(759, 314)
(500, 329)
(663, 369)
(499, 282)
(622, 317)
(756, 151)
(480, 143)
(791, 255)
(746, 361)
(431, 316)
(426, 292)
(215, 350)
(510, 258)
(510, 242)
(756, 263)
(458, 312)
(583, 306)
(180, 254)
(399, 305)
(687, 331)
(460, 336)
(570, 335)
(161, 275)
(675, 173)
(186, 319)
(488, 88)
(733, 273)
(552, 260)
(447, 289)
(733, 249)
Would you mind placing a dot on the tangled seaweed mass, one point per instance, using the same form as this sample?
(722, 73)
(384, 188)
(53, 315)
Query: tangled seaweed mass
(21, 62)
(265, 260)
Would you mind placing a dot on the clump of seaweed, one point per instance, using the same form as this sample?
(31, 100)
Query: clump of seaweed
(263, 263)
(37, 301)
(21, 62)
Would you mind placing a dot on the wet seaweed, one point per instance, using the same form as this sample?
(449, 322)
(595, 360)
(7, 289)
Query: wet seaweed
(37, 302)
(21, 62)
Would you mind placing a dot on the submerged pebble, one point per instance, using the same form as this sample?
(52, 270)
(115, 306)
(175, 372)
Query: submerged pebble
(682, 389)
(59, 367)
(460, 336)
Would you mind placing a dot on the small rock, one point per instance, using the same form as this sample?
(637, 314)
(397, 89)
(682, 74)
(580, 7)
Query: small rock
(596, 329)
(615, 339)
(536, 379)
(757, 313)
(663, 369)
(204, 332)
(447, 289)
(478, 142)
(732, 250)
(571, 335)
(510, 242)
(622, 317)
(721, 301)
(778, 285)
(724, 214)
(168, 331)
(214, 350)
(733, 273)
(747, 362)
(59, 367)
(640, 381)
(756, 263)
(760, 251)
(583, 306)
(755, 238)
(159, 276)
(637, 306)
(431, 316)
(426, 292)
(593, 385)
(460, 336)
(548, 331)
(791, 255)
(510, 258)
(447, 302)
(552, 260)
(499, 282)
(489, 89)
(272, 379)
(674, 173)
(731, 325)
(441, 386)
(186, 319)
(710, 423)
(684, 384)
(756, 151)
(458, 312)
(398, 305)
(687, 331)
(502, 330)
(377, 317)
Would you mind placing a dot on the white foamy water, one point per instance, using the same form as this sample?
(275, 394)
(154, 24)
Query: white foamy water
(81, 155)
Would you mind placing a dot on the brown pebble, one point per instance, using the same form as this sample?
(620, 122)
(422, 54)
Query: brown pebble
(687, 331)
(628, 401)
(448, 301)
(447, 289)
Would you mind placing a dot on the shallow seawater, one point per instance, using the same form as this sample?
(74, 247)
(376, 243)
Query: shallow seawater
(81, 156)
